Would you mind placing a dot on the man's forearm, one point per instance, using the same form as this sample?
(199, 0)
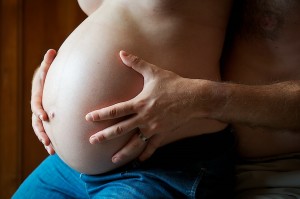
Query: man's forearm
(274, 106)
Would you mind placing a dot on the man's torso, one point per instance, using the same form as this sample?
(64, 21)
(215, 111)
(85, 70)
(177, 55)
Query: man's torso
(265, 50)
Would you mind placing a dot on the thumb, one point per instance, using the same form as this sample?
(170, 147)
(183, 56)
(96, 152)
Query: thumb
(137, 64)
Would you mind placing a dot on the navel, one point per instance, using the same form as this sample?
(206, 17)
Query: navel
(51, 115)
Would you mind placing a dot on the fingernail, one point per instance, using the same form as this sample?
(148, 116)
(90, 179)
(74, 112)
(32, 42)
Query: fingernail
(47, 148)
(116, 160)
(89, 117)
(124, 53)
(41, 117)
(42, 141)
(94, 140)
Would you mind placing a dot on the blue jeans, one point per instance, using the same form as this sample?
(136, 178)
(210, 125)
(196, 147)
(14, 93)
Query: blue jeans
(201, 167)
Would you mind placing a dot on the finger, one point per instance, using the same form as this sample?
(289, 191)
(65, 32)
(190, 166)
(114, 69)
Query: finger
(50, 149)
(45, 138)
(38, 110)
(37, 126)
(111, 112)
(131, 150)
(153, 144)
(115, 131)
(138, 64)
(42, 136)
(45, 65)
(39, 130)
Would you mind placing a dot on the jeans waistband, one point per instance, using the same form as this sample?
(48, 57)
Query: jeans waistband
(189, 152)
(241, 160)
(203, 147)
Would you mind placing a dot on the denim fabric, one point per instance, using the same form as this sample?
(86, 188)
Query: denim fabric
(201, 167)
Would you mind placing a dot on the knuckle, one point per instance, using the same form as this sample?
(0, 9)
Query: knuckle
(136, 60)
(37, 124)
(36, 131)
(35, 119)
(146, 117)
(113, 112)
(119, 130)
(95, 116)
(140, 105)
(154, 126)
(137, 144)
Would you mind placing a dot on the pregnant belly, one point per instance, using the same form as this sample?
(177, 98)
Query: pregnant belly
(82, 78)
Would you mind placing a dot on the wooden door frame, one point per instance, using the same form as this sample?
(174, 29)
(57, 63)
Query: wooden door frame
(27, 29)
(11, 95)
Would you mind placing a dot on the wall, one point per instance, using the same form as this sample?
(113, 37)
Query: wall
(27, 29)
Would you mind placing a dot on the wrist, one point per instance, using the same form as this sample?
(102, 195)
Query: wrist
(213, 97)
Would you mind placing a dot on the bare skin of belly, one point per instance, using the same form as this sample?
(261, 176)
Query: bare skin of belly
(266, 50)
(87, 73)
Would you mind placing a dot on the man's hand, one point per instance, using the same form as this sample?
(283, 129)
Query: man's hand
(163, 106)
(38, 113)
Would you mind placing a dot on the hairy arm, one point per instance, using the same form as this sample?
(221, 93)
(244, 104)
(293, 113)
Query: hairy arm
(273, 106)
